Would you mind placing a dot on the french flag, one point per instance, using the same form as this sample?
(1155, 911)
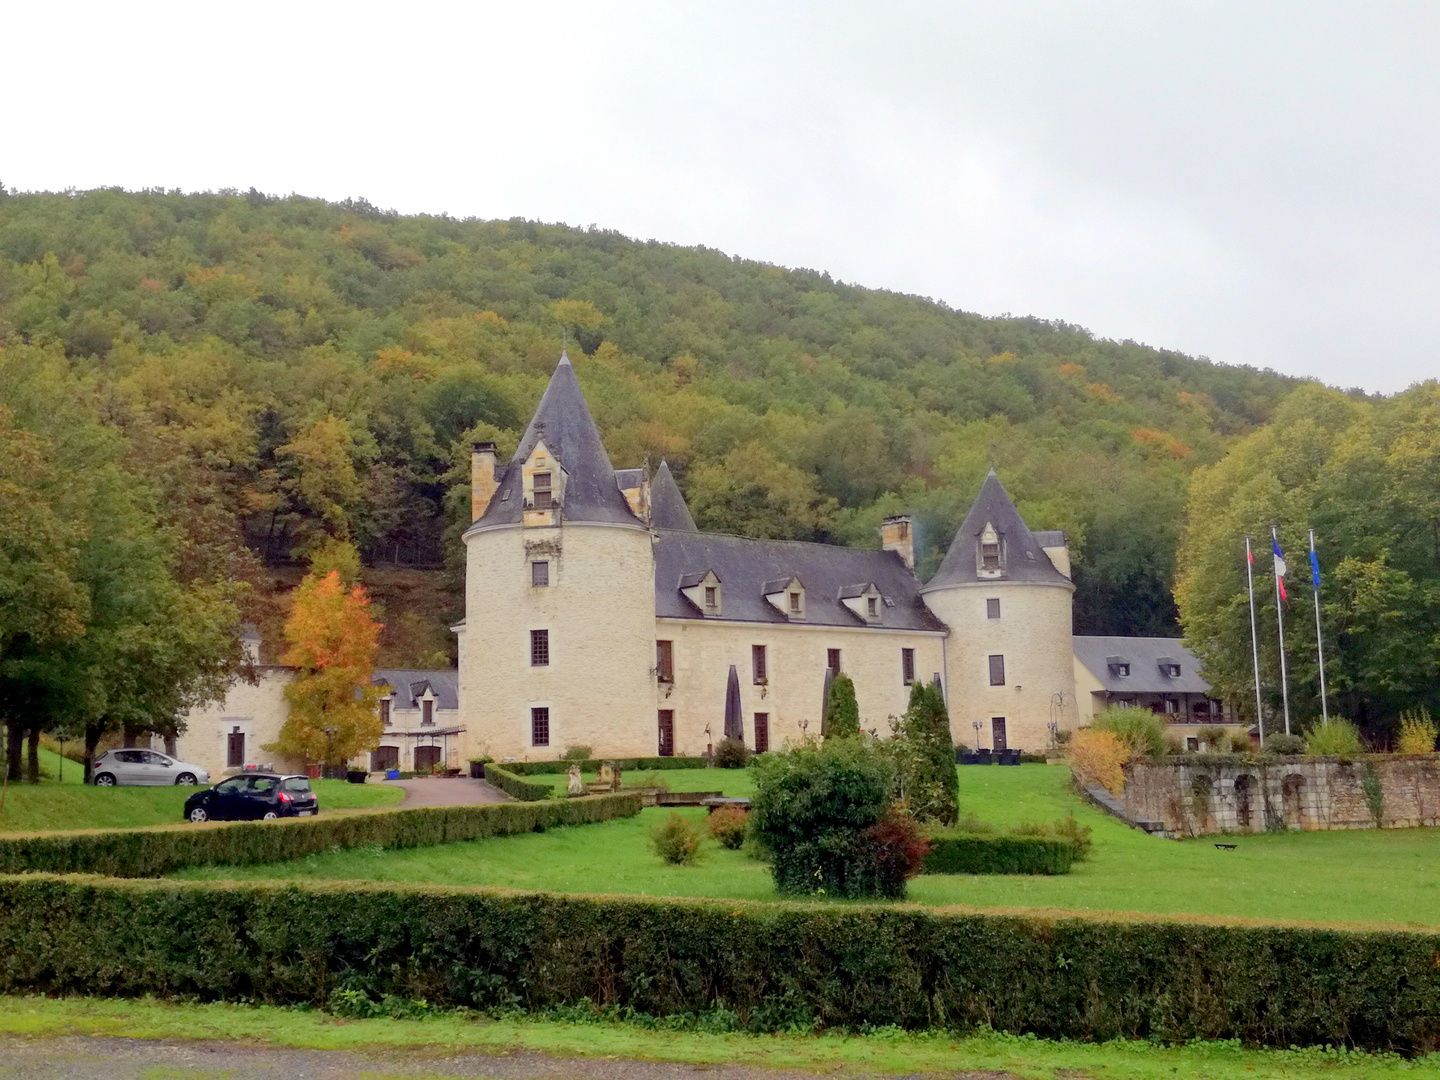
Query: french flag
(1279, 568)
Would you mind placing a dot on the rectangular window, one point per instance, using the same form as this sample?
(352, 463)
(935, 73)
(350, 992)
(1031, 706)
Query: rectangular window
(997, 671)
(539, 727)
(758, 670)
(543, 500)
(539, 648)
(385, 712)
(795, 603)
(762, 732)
(1192, 744)
(872, 605)
(427, 714)
(539, 574)
(990, 556)
(997, 733)
(665, 661)
(992, 608)
(235, 749)
(832, 660)
(907, 665)
(709, 596)
(667, 733)
(1172, 705)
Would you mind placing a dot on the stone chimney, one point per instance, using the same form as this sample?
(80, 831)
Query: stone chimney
(482, 477)
(897, 534)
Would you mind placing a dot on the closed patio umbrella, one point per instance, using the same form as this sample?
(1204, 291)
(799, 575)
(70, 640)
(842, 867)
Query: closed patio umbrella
(734, 725)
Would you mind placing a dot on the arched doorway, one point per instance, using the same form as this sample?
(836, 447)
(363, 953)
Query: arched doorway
(1243, 789)
(1292, 799)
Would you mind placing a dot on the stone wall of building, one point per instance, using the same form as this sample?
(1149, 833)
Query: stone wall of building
(1227, 794)
(796, 656)
(253, 710)
(1033, 634)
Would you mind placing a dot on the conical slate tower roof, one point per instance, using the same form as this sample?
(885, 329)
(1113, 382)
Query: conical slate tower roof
(563, 421)
(1024, 558)
(667, 505)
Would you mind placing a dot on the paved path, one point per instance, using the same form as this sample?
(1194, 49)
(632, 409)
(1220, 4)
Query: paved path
(82, 1058)
(447, 791)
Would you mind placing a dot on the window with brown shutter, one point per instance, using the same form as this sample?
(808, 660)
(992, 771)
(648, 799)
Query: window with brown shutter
(385, 712)
(427, 714)
(757, 665)
(667, 733)
(907, 665)
(539, 648)
(665, 661)
(997, 671)
(832, 660)
(762, 732)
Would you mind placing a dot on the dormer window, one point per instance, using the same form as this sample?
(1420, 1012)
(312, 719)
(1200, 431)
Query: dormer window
(704, 590)
(794, 603)
(1122, 670)
(1173, 670)
(991, 553)
(863, 601)
(385, 712)
(786, 595)
(427, 713)
(543, 497)
(872, 606)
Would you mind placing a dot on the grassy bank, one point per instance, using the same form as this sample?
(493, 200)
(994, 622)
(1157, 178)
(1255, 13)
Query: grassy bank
(883, 1052)
(1365, 876)
(74, 806)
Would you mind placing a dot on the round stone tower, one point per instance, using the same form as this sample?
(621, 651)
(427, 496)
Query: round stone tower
(559, 635)
(1005, 594)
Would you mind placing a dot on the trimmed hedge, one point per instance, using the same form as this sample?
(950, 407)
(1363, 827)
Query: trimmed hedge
(967, 853)
(133, 853)
(774, 965)
(535, 768)
(516, 787)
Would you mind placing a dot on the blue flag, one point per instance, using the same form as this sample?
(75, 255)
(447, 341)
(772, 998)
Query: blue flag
(1314, 570)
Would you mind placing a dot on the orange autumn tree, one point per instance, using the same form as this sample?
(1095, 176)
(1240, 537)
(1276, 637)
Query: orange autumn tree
(332, 638)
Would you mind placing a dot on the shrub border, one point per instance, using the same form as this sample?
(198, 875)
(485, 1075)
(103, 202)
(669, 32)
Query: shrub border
(152, 852)
(517, 787)
(969, 853)
(773, 965)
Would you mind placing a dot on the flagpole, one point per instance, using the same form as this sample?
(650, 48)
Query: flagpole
(1254, 637)
(1319, 638)
(1280, 628)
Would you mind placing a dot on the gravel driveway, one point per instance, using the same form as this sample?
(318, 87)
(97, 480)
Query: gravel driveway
(447, 791)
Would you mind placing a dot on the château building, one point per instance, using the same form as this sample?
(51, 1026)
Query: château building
(598, 615)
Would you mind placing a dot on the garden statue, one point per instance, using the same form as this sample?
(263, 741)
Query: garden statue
(573, 784)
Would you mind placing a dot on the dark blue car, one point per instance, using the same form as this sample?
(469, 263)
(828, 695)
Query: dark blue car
(253, 795)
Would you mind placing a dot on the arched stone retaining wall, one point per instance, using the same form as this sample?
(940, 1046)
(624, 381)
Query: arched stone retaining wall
(1197, 795)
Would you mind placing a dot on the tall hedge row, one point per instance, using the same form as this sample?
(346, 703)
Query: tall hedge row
(772, 964)
(517, 787)
(133, 853)
(963, 853)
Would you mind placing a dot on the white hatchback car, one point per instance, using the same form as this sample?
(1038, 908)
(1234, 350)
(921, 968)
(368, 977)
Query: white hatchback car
(144, 767)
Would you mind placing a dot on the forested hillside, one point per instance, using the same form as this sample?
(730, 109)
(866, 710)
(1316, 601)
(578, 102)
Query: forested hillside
(282, 370)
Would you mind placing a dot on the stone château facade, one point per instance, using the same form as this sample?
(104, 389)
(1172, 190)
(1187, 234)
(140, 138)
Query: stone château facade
(598, 615)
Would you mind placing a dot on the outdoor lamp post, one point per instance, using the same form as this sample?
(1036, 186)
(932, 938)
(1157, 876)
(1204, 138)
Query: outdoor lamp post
(976, 725)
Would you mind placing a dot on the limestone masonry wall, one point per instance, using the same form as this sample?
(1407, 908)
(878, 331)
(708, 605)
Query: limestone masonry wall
(1198, 796)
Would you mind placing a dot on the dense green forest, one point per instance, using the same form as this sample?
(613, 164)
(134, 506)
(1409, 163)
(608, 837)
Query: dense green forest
(282, 370)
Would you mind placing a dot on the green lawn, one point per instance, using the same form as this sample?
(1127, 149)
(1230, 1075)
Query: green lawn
(411, 1043)
(1362, 876)
(74, 806)
(733, 782)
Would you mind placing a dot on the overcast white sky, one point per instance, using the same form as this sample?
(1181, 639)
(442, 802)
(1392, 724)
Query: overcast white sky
(1256, 182)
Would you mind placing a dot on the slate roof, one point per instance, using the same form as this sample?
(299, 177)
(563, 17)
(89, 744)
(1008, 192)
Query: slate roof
(563, 420)
(667, 505)
(1144, 656)
(1024, 558)
(410, 683)
(746, 566)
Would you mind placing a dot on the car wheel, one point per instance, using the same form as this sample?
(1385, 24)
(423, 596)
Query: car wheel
(269, 815)
(104, 780)
(186, 779)
(198, 815)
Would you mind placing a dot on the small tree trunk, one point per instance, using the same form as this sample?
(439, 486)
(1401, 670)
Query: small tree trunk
(92, 740)
(128, 737)
(14, 735)
(32, 766)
